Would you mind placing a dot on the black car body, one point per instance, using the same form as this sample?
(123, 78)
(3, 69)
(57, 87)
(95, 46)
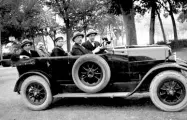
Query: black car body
(119, 72)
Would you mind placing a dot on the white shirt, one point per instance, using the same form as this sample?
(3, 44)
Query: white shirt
(92, 43)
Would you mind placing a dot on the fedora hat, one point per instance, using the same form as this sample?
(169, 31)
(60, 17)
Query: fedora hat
(76, 35)
(91, 32)
(24, 42)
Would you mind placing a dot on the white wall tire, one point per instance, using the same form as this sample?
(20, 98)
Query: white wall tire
(168, 91)
(36, 93)
(99, 70)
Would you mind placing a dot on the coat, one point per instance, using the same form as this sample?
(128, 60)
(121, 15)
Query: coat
(15, 57)
(89, 46)
(57, 51)
(43, 53)
(79, 50)
(32, 54)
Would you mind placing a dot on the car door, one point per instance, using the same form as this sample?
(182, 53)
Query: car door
(60, 68)
(120, 69)
(142, 59)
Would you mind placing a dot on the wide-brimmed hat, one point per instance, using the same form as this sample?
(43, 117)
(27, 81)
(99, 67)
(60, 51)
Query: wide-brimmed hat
(76, 35)
(90, 32)
(24, 42)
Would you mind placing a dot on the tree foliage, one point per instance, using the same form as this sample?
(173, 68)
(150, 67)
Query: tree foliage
(77, 14)
(19, 18)
(64, 9)
(183, 13)
(88, 13)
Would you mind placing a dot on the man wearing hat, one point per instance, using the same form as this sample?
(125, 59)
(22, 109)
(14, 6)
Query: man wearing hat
(27, 51)
(58, 50)
(91, 44)
(77, 48)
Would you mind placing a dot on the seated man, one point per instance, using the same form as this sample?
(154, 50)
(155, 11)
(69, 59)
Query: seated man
(26, 51)
(58, 50)
(77, 48)
(91, 44)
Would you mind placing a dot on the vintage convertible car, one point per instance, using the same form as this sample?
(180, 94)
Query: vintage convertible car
(119, 72)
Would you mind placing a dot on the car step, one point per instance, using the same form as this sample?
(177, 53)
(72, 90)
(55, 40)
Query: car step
(93, 95)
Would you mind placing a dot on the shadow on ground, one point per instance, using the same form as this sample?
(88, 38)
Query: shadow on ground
(103, 102)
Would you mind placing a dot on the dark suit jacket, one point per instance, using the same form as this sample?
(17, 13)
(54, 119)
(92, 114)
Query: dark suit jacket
(15, 57)
(57, 51)
(32, 54)
(89, 46)
(79, 50)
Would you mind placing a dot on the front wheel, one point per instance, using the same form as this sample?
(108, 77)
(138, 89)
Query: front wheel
(36, 93)
(168, 91)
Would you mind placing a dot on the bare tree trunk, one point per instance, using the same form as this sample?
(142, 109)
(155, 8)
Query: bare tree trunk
(68, 37)
(1, 55)
(122, 33)
(33, 43)
(68, 32)
(84, 27)
(85, 34)
(173, 21)
(162, 27)
(44, 42)
(174, 27)
(129, 23)
(152, 24)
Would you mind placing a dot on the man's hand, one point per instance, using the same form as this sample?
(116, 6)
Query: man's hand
(24, 57)
(97, 49)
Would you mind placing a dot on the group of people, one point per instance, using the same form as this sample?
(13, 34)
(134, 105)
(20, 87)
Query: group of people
(88, 47)
(79, 48)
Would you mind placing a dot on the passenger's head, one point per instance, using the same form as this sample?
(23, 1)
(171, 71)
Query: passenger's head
(91, 35)
(40, 45)
(59, 42)
(26, 45)
(77, 37)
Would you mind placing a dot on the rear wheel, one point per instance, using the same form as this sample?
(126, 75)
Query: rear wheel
(36, 93)
(91, 73)
(168, 91)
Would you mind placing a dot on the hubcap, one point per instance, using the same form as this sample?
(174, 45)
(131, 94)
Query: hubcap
(90, 74)
(36, 93)
(171, 91)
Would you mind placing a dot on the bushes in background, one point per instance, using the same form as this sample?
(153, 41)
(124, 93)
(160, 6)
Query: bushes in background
(161, 43)
(175, 44)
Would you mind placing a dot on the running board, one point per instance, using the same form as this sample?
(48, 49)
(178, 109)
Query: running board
(93, 95)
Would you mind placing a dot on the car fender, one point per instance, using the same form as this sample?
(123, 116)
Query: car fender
(27, 74)
(163, 66)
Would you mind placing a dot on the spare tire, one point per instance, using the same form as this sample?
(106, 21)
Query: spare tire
(91, 73)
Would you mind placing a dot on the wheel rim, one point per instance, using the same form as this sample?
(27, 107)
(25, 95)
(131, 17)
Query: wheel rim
(171, 91)
(36, 93)
(90, 74)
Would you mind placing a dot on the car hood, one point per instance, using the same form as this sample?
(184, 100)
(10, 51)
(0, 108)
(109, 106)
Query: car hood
(152, 52)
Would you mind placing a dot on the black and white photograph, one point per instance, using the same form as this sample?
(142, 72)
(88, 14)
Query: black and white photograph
(93, 59)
